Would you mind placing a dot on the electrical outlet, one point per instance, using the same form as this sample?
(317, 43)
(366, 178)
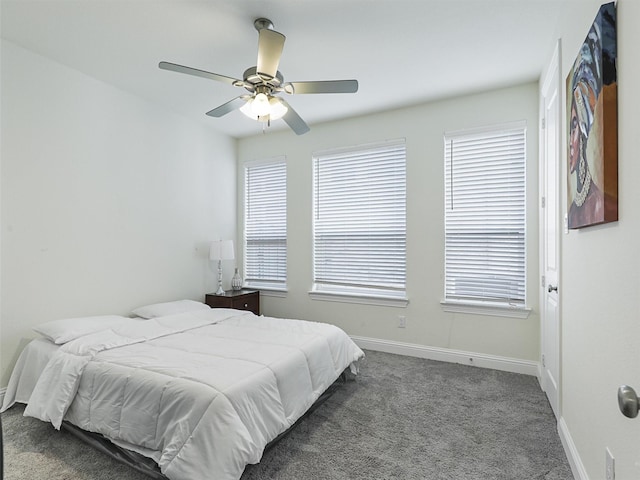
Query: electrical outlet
(610, 473)
(402, 321)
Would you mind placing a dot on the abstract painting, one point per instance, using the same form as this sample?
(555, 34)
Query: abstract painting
(592, 116)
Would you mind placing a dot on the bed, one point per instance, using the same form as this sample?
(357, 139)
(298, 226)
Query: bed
(201, 392)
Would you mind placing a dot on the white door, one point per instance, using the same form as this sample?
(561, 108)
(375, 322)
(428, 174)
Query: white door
(550, 231)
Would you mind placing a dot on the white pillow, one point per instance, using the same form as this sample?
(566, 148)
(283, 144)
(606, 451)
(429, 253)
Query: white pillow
(169, 308)
(67, 329)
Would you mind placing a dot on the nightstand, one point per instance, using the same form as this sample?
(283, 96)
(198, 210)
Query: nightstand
(243, 299)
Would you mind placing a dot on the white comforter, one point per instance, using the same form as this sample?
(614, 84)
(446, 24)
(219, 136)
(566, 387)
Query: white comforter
(202, 393)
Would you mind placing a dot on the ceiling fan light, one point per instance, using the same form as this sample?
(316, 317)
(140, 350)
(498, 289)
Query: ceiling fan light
(274, 110)
(246, 109)
(260, 105)
(278, 109)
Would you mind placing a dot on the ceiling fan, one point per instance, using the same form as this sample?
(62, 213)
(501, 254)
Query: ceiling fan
(264, 82)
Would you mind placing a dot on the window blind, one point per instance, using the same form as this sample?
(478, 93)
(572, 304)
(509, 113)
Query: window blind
(485, 215)
(360, 220)
(265, 226)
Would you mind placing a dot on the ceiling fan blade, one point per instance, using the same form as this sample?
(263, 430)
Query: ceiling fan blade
(230, 106)
(199, 73)
(326, 86)
(294, 121)
(270, 45)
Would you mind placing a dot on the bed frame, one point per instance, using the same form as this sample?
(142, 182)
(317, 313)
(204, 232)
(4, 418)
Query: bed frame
(147, 466)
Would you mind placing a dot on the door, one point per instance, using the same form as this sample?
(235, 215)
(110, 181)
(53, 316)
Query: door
(550, 231)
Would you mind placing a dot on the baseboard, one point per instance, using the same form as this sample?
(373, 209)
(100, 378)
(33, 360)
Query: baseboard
(577, 468)
(482, 360)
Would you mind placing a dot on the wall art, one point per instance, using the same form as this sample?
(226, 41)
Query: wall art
(592, 116)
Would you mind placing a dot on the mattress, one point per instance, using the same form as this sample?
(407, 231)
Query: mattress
(202, 393)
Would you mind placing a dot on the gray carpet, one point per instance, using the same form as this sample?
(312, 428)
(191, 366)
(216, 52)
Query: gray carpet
(403, 418)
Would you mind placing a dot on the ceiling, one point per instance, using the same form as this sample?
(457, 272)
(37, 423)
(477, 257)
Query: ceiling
(402, 52)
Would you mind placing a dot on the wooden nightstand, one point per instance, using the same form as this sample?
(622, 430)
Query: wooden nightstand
(244, 299)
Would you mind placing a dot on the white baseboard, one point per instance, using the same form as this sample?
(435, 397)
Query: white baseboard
(577, 468)
(483, 360)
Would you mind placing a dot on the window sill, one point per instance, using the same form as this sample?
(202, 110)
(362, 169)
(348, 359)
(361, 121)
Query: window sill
(359, 299)
(482, 308)
(269, 291)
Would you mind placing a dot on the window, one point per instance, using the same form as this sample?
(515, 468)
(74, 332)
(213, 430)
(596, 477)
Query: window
(359, 241)
(485, 217)
(265, 224)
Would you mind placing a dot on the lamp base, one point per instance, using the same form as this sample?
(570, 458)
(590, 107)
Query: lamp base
(220, 289)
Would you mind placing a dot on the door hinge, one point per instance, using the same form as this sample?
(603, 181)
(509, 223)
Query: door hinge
(543, 362)
(543, 123)
(543, 281)
(543, 202)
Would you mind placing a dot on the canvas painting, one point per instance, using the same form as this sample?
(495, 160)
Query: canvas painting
(592, 115)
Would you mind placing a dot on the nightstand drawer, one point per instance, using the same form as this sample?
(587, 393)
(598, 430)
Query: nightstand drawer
(239, 299)
(247, 302)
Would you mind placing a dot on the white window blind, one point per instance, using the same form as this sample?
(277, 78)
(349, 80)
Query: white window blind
(360, 220)
(265, 226)
(485, 216)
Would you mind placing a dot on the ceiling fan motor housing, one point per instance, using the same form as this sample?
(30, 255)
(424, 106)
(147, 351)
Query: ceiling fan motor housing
(253, 79)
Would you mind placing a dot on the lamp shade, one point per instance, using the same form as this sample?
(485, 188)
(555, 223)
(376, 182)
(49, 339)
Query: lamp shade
(221, 250)
(264, 107)
(278, 109)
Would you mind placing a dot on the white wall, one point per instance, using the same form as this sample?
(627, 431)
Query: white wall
(600, 285)
(423, 128)
(108, 202)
